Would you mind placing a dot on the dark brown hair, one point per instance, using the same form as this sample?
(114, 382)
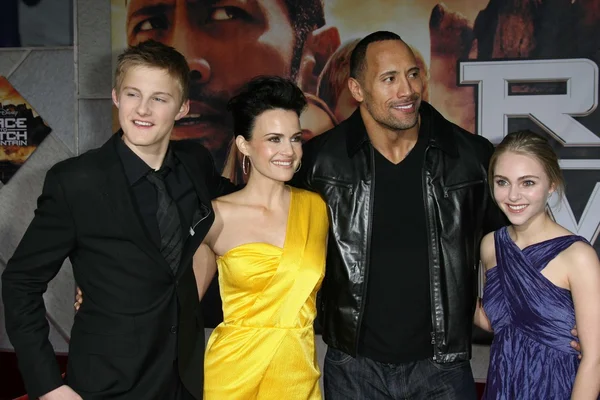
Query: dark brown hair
(261, 94)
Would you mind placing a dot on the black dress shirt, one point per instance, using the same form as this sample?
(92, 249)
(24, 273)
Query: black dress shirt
(177, 181)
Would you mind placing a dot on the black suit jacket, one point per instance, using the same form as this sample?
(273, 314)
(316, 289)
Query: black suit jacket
(129, 331)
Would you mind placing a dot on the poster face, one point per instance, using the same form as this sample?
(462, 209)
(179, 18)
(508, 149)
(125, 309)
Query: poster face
(21, 130)
(490, 66)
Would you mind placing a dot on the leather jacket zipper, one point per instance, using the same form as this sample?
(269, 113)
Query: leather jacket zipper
(431, 271)
(368, 260)
(449, 189)
(335, 182)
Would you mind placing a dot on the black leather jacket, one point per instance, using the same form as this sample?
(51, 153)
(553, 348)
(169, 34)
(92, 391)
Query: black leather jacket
(459, 211)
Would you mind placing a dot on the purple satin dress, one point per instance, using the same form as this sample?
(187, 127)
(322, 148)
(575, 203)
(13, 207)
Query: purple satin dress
(531, 357)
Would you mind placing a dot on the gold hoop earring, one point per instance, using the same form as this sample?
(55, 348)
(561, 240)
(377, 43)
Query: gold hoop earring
(244, 169)
(299, 166)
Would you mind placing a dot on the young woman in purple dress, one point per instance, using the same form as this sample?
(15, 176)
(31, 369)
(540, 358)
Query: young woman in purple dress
(541, 279)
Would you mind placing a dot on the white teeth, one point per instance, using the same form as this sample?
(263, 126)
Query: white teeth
(142, 123)
(516, 208)
(283, 163)
(405, 107)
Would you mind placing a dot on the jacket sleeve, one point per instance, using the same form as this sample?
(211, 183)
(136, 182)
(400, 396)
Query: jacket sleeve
(217, 184)
(49, 239)
(493, 218)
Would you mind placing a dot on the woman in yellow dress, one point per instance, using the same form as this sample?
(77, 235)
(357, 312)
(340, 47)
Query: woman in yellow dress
(270, 245)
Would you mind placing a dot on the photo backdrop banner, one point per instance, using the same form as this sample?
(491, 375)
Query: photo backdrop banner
(490, 66)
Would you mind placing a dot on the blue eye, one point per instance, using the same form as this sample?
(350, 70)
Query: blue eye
(501, 182)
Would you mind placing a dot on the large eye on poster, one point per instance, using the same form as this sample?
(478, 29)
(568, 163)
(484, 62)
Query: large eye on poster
(490, 66)
(36, 23)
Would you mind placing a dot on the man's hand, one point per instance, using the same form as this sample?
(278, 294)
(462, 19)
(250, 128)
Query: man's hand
(61, 393)
(574, 343)
(78, 299)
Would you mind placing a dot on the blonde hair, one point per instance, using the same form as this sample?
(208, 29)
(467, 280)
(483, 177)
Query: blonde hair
(530, 144)
(157, 55)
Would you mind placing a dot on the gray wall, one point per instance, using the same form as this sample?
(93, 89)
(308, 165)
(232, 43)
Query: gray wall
(70, 88)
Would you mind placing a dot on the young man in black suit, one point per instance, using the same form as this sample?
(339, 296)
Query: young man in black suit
(129, 216)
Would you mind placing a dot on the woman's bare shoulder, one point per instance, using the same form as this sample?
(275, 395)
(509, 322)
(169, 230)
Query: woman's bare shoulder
(488, 251)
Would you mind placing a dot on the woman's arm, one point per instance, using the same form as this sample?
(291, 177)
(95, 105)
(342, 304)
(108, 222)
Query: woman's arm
(205, 266)
(584, 282)
(205, 260)
(488, 260)
(480, 318)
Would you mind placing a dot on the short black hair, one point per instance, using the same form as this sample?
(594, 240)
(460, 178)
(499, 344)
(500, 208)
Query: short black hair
(305, 17)
(358, 57)
(261, 94)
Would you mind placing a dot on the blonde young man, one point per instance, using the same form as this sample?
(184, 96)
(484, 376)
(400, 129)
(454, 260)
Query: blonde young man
(129, 216)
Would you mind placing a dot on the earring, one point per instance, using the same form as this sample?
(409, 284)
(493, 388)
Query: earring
(299, 166)
(244, 169)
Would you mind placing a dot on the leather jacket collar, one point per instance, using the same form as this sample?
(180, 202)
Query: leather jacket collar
(357, 133)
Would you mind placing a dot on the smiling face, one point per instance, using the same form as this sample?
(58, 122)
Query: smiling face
(275, 148)
(226, 44)
(390, 86)
(521, 187)
(149, 103)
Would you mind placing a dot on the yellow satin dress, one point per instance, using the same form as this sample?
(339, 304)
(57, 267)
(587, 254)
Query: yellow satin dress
(265, 348)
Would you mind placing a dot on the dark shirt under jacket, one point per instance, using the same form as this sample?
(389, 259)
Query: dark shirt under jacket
(397, 319)
(144, 193)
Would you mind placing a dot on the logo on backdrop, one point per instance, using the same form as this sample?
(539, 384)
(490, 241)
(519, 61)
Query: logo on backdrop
(551, 93)
(13, 129)
(21, 130)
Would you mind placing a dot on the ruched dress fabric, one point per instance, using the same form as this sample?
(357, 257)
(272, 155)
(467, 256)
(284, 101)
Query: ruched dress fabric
(530, 357)
(265, 347)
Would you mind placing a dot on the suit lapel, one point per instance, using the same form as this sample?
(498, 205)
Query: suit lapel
(116, 191)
